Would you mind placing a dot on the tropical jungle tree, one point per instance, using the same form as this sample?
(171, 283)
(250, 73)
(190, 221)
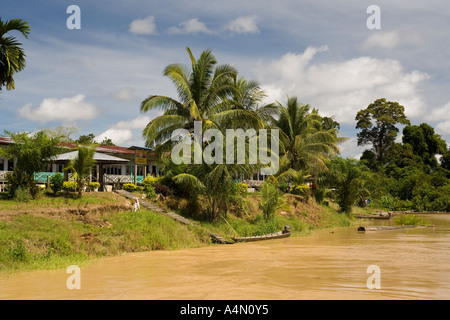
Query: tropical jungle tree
(12, 56)
(378, 124)
(425, 143)
(31, 153)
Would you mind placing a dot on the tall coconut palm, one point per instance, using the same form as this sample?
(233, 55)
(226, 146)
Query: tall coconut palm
(82, 165)
(244, 109)
(207, 92)
(212, 94)
(305, 145)
(12, 56)
(201, 89)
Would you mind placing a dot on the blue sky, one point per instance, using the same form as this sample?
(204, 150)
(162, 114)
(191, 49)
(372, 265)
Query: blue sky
(94, 79)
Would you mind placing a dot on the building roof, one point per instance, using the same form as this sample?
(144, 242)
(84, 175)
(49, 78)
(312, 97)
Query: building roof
(100, 148)
(141, 148)
(5, 140)
(99, 157)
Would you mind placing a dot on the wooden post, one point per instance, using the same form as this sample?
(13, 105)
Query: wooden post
(135, 168)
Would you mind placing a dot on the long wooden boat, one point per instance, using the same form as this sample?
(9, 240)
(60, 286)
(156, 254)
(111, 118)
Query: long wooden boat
(372, 216)
(276, 235)
(377, 215)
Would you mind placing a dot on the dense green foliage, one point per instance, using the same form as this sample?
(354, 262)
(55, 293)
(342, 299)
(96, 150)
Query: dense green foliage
(413, 175)
(378, 125)
(56, 182)
(31, 153)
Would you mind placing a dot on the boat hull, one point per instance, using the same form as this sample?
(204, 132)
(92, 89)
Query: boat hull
(368, 216)
(270, 236)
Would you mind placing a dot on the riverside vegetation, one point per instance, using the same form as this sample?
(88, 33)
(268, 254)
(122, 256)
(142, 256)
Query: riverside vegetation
(47, 229)
(54, 231)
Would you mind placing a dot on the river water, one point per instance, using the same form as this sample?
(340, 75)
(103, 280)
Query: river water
(329, 264)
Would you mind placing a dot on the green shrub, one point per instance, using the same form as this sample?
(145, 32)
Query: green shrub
(22, 195)
(271, 200)
(409, 220)
(56, 182)
(151, 181)
(129, 187)
(284, 187)
(319, 195)
(150, 192)
(18, 251)
(243, 188)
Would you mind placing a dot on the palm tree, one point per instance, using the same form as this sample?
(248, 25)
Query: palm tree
(271, 199)
(349, 177)
(202, 90)
(82, 165)
(305, 144)
(12, 56)
(207, 92)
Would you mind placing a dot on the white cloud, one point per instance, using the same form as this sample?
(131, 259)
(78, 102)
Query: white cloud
(243, 25)
(443, 128)
(442, 116)
(123, 132)
(350, 148)
(66, 110)
(117, 136)
(391, 39)
(442, 113)
(143, 26)
(126, 94)
(190, 26)
(137, 123)
(341, 88)
(386, 40)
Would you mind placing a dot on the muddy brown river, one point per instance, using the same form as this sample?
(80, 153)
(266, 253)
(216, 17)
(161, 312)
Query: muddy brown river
(329, 264)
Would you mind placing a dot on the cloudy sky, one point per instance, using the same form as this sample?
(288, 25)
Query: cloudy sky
(94, 78)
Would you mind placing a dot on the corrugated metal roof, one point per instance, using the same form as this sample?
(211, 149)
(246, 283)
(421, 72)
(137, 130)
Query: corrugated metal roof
(97, 157)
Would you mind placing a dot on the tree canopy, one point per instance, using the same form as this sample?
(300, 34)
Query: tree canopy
(378, 124)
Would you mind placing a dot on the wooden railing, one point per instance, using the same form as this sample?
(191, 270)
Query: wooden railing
(116, 178)
(43, 177)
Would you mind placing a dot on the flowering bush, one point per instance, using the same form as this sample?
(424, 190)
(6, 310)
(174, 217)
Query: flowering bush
(69, 186)
(129, 187)
(93, 186)
(301, 190)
